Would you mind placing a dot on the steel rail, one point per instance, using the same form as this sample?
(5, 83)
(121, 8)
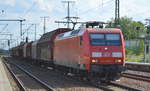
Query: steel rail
(137, 77)
(123, 87)
(46, 86)
(18, 82)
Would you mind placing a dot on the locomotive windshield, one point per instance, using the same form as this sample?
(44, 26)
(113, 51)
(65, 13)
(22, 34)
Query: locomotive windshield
(105, 39)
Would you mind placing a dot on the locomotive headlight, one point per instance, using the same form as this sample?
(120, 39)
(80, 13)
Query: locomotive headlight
(94, 61)
(118, 61)
(96, 54)
(116, 54)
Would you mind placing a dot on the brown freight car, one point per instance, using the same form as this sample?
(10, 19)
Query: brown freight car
(20, 50)
(34, 50)
(28, 50)
(14, 52)
(45, 45)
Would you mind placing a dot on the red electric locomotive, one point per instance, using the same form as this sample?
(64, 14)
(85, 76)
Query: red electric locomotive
(92, 52)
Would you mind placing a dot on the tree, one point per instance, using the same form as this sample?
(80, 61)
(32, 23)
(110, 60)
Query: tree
(131, 29)
(2, 51)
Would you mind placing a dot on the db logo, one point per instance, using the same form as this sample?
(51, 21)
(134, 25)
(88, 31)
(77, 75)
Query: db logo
(106, 54)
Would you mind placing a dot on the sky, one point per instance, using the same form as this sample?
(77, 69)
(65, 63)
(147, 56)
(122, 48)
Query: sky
(87, 10)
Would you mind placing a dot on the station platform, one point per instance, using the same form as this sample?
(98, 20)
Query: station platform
(4, 81)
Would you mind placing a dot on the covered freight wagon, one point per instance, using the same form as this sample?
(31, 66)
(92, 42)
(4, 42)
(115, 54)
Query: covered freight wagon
(28, 50)
(20, 50)
(34, 50)
(25, 50)
(46, 43)
(14, 51)
(17, 51)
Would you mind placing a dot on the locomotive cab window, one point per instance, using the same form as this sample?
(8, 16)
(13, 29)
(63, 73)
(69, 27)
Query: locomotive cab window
(75, 32)
(113, 39)
(60, 36)
(97, 39)
(105, 39)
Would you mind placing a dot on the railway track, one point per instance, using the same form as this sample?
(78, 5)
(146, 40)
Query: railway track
(54, 82)
(104, 86)
(136, 77)
(137, 66)
(107, 86)
(112, 86)
(20, 84)
(123, 87)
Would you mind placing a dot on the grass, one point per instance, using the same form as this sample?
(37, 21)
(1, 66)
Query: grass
(134, 55)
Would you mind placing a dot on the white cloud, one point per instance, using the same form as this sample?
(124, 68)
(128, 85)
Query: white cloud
(8, 2)
(87, 10)
(24, 3)
(100, 10)
(44, 4)
(137, 9)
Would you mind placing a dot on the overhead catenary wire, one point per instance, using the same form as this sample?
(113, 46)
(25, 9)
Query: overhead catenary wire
(104, 5)
(29, 9)
(25, 13)
(4, 28)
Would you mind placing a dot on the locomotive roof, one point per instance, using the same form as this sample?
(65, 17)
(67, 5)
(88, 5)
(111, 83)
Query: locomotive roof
(47, 36)
(79, 32)
(105, 30)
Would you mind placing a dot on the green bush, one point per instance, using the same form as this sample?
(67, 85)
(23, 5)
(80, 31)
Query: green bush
(135, 55)
(140, 49)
